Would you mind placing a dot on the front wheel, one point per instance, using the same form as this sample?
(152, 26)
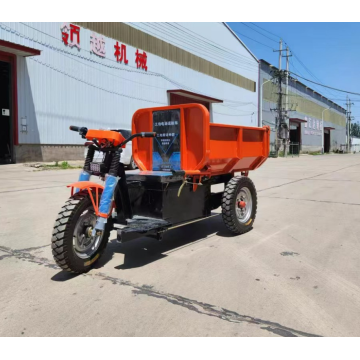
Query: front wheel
(239, 204)
(73, 246)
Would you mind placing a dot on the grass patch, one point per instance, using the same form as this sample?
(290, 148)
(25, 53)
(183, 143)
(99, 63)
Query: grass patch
(64, 165)
(315, 153)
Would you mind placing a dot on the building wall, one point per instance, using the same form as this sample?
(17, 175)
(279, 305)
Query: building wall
(203, 40)
(355, 144)
(65, 86)
(307, 105)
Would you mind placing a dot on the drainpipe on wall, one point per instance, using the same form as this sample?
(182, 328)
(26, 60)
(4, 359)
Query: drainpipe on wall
(261, 102)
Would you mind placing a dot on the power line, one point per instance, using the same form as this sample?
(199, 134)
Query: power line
(238, 33)
(326, 86)
(279, 37)
(298, 71)
(92, 85)
(258, 32)
(301, 94)
(61, 52)
(303, 65)
(200, 48)
(297, 58)
(250, 113)
(234, 106)
(135, 69)
(309, 72)
(210, 45)
(341, 99)
(206, 40)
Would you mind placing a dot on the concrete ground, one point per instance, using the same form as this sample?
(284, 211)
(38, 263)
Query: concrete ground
(295, 274)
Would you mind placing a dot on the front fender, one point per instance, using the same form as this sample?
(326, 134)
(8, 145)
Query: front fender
(89, 186)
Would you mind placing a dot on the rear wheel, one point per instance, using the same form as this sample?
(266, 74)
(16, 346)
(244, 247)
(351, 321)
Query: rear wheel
(73, 246)
(239, 204)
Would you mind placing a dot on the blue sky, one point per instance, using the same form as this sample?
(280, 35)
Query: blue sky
(329, 51)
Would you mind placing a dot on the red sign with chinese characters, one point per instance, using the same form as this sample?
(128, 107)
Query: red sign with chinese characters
(71, 37)
(120, 53)
(74, 32)
(97, 44)
(141, 60)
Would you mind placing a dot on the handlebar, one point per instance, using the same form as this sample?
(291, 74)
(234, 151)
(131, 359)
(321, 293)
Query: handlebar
(83, 130)
(147, 134)
(142, 134)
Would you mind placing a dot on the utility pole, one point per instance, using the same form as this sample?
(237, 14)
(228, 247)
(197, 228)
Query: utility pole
(282, 119)
(347, 123)
(287, 102)
(279, 117)
(349, 118)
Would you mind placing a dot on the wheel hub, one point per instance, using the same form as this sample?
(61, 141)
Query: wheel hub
(243, 205)
(84, 243)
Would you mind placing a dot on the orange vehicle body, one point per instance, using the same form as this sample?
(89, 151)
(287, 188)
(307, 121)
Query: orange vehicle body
(206, 148)
(105, 136)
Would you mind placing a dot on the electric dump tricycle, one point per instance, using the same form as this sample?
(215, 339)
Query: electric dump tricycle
(180, 155)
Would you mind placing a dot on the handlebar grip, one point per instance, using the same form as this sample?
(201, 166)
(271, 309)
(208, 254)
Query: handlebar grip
(81, 130)
(148, 134)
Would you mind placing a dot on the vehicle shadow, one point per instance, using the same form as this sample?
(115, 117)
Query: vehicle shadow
(64, 276)
(143, 251)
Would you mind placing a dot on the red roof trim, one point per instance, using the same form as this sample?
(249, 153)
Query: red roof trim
(11, 45)
(329, 128)
(195, 95)
(298, 120)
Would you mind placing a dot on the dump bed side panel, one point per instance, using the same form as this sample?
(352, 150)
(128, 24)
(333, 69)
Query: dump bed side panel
(237, 148)
(195, 134)
(142, 147)
(205, 148)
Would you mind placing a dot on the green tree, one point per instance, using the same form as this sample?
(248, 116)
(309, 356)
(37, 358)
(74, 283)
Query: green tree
(355, 129)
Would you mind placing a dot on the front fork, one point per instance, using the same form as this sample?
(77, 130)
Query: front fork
(110, 184)
(108, 193)
(85, 173)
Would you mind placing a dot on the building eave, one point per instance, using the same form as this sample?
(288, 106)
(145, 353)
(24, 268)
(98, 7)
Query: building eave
(305, 86)
(241, 42)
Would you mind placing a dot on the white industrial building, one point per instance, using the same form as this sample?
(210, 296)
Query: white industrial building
(316, 123)
(53, 75)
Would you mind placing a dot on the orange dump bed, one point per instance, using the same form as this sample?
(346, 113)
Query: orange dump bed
(204, 148)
